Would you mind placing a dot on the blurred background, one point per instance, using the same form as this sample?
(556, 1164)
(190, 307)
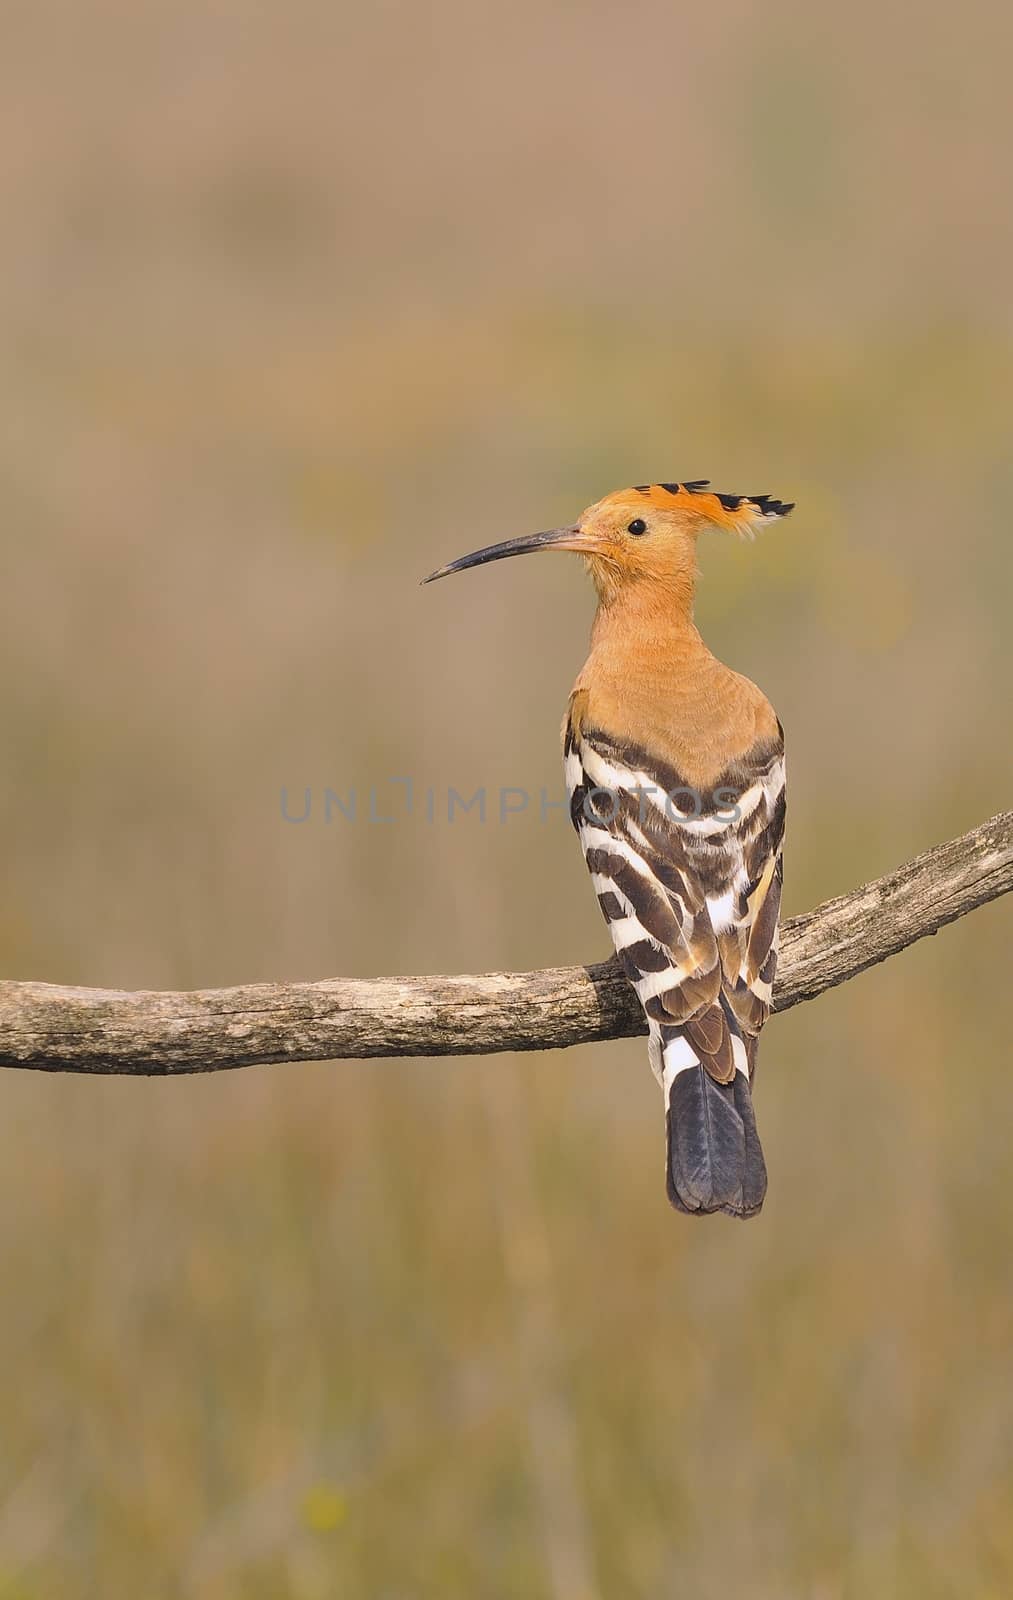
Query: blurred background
(296, 302)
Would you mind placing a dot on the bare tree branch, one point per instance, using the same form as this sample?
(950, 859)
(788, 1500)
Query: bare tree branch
(58, 1029)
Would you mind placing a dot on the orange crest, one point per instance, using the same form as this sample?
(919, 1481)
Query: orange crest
(695, 503)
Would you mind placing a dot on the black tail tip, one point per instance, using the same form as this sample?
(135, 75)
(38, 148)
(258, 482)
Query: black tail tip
(715, 1162)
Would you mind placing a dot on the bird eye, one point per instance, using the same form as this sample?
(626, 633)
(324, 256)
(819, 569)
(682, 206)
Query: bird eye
(637, 526)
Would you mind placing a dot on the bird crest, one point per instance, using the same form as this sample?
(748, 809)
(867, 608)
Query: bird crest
(741, 514)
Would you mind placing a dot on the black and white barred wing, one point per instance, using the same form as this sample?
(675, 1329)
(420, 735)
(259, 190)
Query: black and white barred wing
(689, 885)
(748, 940)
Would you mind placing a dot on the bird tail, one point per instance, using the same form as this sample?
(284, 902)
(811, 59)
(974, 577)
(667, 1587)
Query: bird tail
(714, 1160)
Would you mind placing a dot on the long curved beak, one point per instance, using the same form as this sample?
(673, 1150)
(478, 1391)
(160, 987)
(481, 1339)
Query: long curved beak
(555, 539)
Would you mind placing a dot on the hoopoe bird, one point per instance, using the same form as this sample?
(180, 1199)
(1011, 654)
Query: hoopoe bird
(674, 768)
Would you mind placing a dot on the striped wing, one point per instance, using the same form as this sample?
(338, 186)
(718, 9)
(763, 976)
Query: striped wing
(690, 885)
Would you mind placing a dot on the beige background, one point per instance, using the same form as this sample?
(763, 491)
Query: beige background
(296, 302)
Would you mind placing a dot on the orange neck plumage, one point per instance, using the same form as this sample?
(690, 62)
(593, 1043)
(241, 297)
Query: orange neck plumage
(650, 680)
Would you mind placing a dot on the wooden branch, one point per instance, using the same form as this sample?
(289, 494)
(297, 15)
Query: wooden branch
(57, 1029)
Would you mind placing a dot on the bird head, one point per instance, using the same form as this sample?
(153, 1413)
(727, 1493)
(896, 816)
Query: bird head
(642, 535)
